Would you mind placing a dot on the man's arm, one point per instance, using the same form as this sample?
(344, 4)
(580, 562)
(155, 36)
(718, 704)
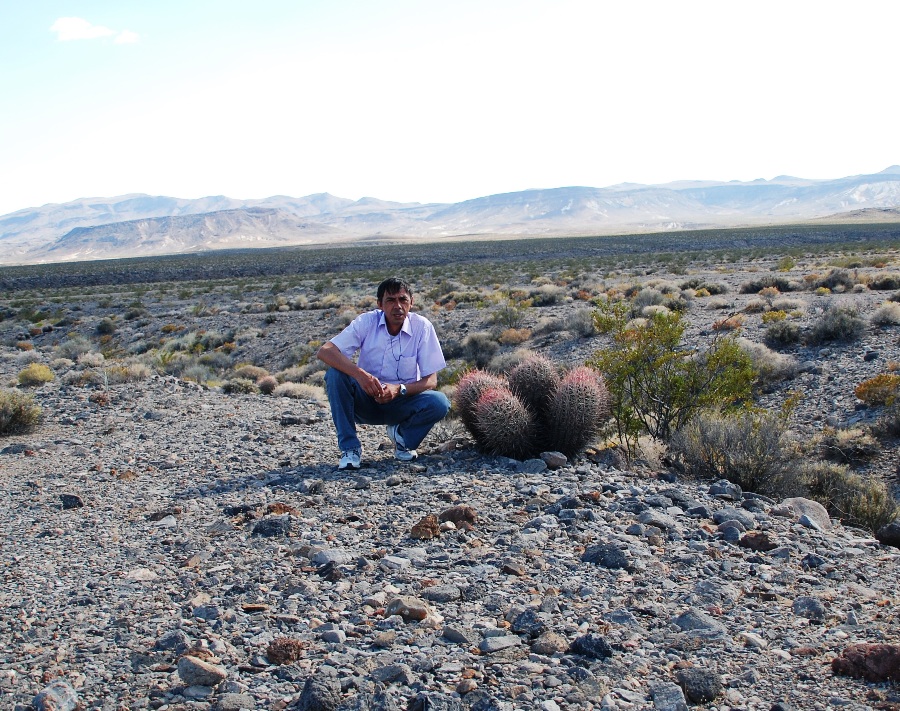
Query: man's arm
(429, 382)
(331, 356)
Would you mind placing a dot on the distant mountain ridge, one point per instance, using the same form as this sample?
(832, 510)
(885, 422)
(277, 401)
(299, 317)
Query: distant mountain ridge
(143, 225)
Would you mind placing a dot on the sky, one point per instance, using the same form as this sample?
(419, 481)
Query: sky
(436, 101)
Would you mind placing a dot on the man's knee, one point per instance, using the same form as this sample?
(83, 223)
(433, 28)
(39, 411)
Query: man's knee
(438, 404)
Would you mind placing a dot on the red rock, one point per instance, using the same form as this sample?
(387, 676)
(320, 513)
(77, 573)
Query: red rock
(872, 662)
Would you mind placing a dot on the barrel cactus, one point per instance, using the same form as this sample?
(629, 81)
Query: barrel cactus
(534, 382)
(503, 424)
(468, 390)
(578, 409)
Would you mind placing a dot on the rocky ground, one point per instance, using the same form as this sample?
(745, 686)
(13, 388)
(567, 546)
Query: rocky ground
(170, 546)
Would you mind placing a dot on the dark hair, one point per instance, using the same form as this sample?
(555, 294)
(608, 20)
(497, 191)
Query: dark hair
(392, 286)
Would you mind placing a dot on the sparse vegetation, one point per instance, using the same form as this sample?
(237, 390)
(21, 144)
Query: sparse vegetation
(18, 412)
(35, 374)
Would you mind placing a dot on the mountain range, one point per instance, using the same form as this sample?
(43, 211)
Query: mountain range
(145, 225)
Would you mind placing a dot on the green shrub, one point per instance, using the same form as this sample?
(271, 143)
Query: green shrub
(511, 315)
(106, 327)
(18, 412)
(746, 448)
(479, 348)
(882, 389)
(74, 346)
(838, 280)
(35, 374)
(837, 323)
(768, 280)
(656, 384)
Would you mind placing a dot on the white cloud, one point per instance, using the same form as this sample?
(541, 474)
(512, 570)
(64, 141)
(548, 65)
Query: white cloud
(127, 37)
(75, 28)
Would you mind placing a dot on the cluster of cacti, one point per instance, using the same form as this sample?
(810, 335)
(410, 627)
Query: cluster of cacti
(533, 410)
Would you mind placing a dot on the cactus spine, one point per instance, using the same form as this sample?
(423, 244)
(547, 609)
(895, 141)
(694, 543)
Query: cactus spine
(504, 423)
(578, 409)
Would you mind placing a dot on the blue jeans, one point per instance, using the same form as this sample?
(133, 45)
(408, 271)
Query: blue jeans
(415, 414)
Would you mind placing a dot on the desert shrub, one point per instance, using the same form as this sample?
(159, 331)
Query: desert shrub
(647, 296)
(24, 345)
(770, 367)
(717, 303)
(267, 384)
(510, 316)
(746, 448)
(732, 323)
(129, 373)
(514, 336)
(35, 374)
(581, 323)
(848, 446)
(782, 333)
(249, 372)
(502, 363)
(837, 323)
(73, 347)
(18, 412)
(888, 314)
(838, 280)
(755, 306)
(135, 312)
(895, 297)
(764, 281)
(855, 500)
(788, 303)
(884, 281)
(710, 288)
(785, 264)
(546, 326)
(91, 360)
(656, 384)
(197, 373)
(479, 348)
(882, 389)
(106, 327)
(888, 424)
(301, 391)
(771, 316)
(239, 386)
(546, 295)
(210, 340)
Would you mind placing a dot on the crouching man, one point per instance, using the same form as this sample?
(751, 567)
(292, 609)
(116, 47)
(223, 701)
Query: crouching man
(394, 379)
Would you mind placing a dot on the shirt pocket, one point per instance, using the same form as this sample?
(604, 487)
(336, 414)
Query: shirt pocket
(407, 370)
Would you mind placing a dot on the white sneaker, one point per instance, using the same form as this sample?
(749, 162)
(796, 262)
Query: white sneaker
(350, 459)
(400, 450)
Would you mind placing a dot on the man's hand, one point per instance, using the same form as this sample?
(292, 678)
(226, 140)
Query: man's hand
(370, 384)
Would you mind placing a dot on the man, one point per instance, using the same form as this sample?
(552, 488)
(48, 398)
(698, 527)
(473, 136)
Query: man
(393, 383)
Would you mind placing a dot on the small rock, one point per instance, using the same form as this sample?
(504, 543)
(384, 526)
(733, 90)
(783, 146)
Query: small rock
(591, 645)
(273, 526)
(490, 645)
(549, 643)
(58, 695)
(813, 510)
(320, 693)
(889, 534)
(668, 696)
(426, 528)
(700, 685)
(71, 501)
(809, 607)
(409, 608)
(606, 555)
(196, 672)
(459, 514)
(234, 702)
(554, 460)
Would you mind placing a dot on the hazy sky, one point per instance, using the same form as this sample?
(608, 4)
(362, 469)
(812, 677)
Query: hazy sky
(436, 101)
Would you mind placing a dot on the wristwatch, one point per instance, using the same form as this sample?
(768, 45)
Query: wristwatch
(402, 389)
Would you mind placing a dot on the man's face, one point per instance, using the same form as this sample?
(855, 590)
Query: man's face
(396, 307)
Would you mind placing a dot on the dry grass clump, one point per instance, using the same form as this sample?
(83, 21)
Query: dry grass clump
(35, 374)
(732, 323)
(127, 373)
(73, 347)
(855, 500)
(717, 303)
(249, 372)
(300, 391)
(885, 281)
(91, 359)
(505, 362)
(782, 333)
(239, 386)
(514, 336)
(18, 412)
(848, 446)
(888, 314)
(285, 650)
(788, 303)
(838, 281)
(771, 367)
